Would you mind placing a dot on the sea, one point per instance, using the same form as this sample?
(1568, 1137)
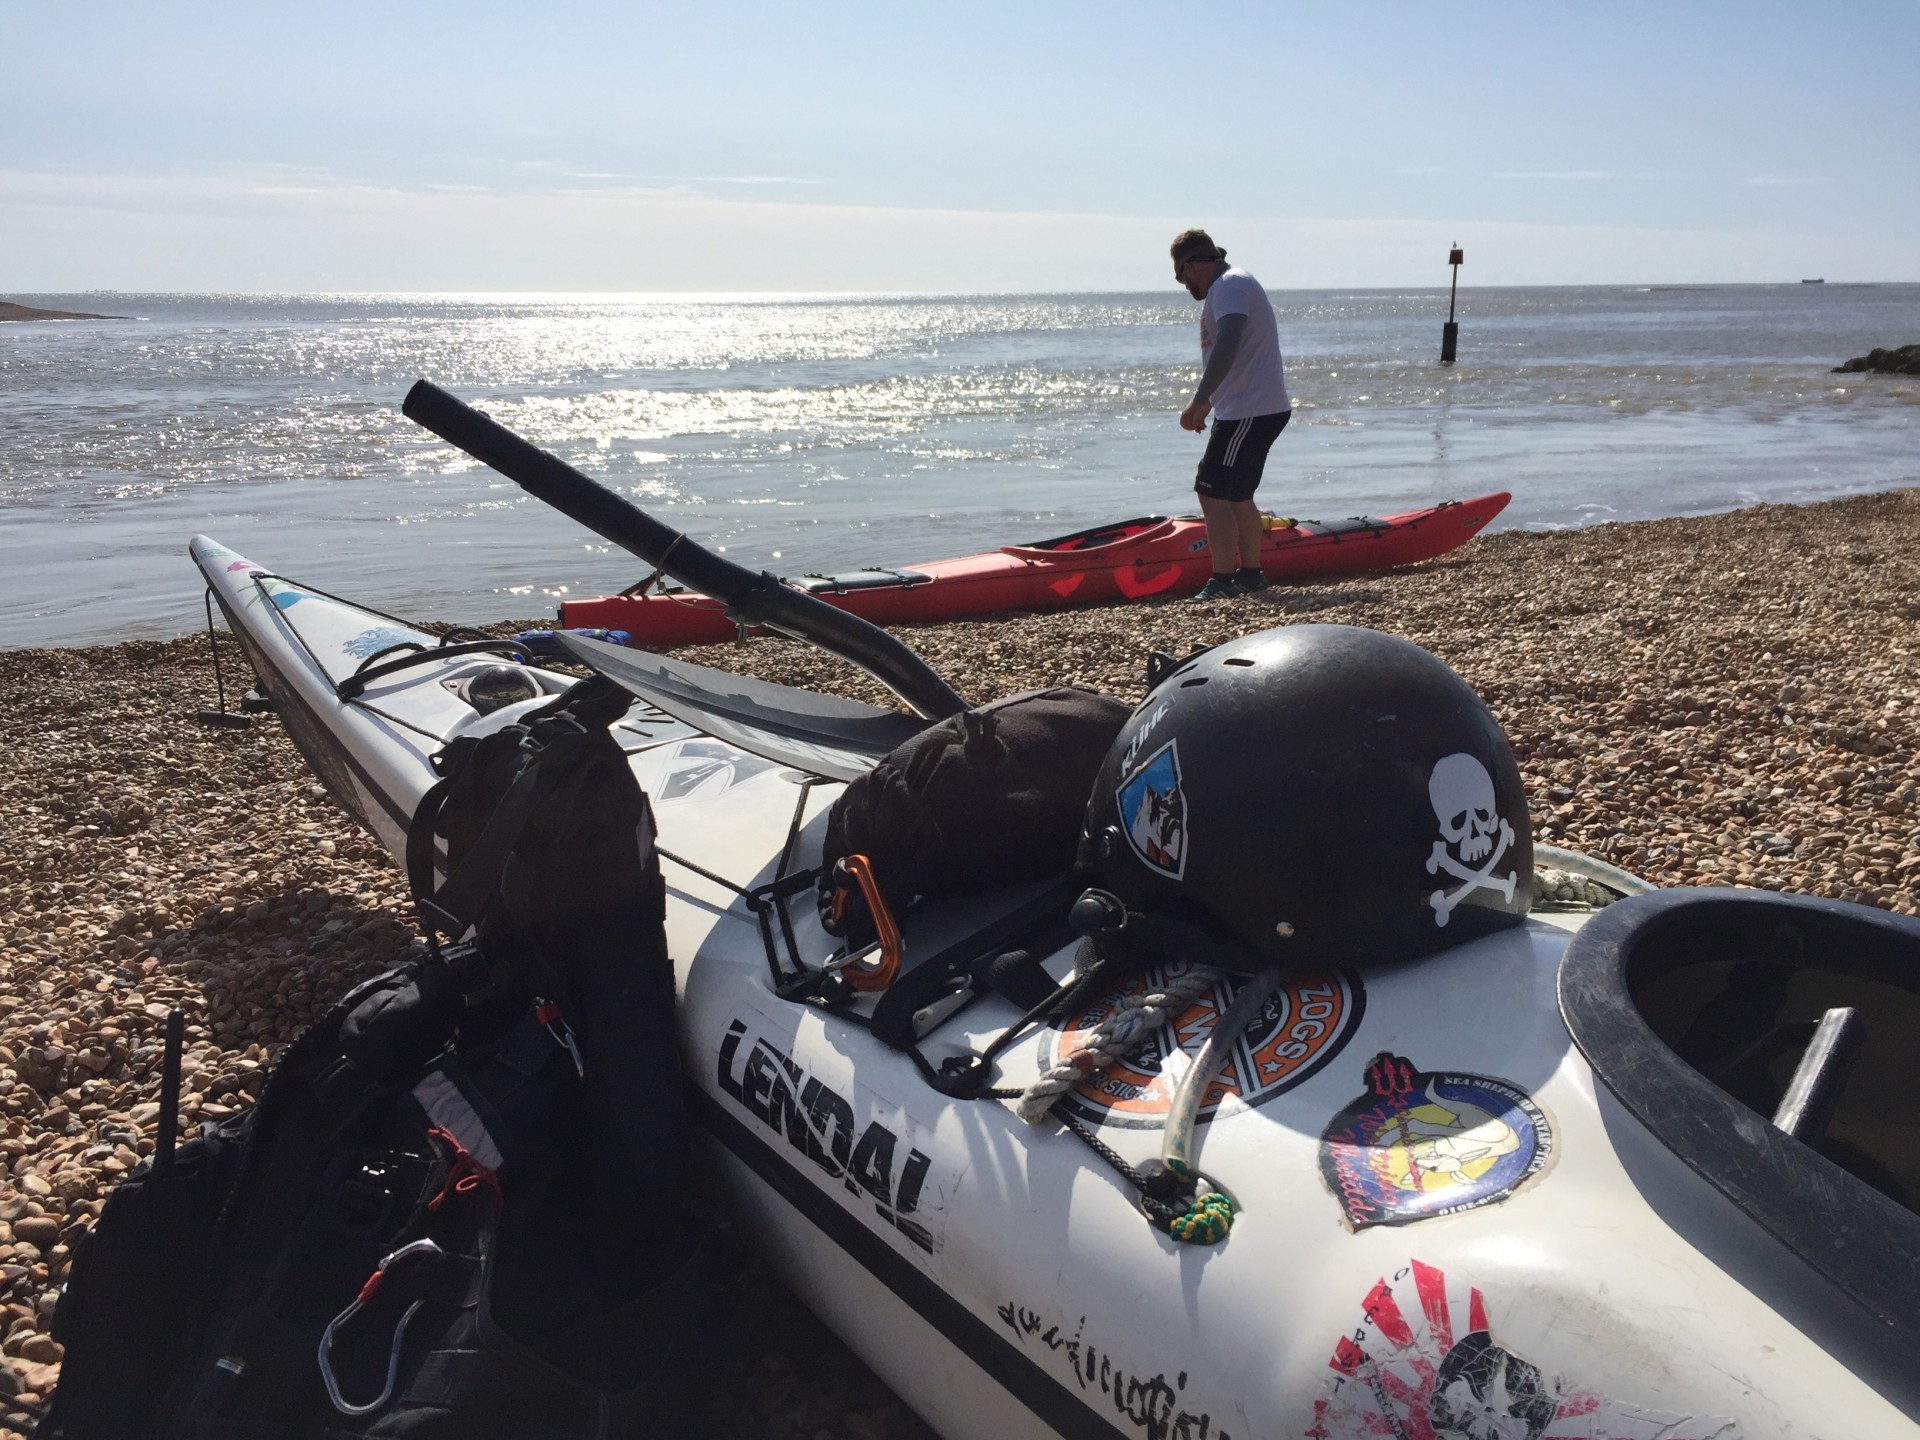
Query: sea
(819, 434)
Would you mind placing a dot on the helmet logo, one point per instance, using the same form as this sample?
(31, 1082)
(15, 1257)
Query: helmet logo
(1470, 826)
(1153, 812)
(1139, 741)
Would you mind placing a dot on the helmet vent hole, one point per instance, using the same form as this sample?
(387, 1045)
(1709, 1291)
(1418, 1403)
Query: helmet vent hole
(1238, 660)
(1189, 684)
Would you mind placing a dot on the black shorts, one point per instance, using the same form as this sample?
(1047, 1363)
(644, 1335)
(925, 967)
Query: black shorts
(1237, 454)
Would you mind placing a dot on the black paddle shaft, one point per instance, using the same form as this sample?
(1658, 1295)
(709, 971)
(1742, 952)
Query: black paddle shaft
(750, 599)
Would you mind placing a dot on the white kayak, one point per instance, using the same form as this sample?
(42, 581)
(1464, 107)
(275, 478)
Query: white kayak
(1477, 1194)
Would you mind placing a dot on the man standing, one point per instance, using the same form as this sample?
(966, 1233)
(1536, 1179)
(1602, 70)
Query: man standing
(1244, 384)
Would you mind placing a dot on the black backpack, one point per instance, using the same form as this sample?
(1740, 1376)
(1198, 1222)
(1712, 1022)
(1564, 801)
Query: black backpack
(453, 1210)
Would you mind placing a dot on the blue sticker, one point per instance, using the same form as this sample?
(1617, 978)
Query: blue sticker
(372, 642)
(1417, 1145)
(283, 598)
(1153, 812)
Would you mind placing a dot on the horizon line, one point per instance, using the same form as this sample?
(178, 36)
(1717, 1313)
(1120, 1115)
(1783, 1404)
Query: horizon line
(1170, 292)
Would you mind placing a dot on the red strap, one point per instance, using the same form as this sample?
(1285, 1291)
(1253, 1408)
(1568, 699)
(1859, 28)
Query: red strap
(465, 1176)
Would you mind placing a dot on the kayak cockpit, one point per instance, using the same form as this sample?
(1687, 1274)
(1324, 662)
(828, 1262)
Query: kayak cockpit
(1714, 1016)
(1099, 536)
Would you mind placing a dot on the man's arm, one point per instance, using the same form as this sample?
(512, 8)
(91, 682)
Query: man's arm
(1232, 329)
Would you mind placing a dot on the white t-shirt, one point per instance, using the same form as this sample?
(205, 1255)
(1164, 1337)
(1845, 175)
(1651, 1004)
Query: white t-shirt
(1257, 383)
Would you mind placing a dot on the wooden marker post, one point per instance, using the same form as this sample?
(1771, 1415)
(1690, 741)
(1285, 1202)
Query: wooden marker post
(1450, 335)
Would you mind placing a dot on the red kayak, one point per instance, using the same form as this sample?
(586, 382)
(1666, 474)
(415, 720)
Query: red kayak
(1132, 560)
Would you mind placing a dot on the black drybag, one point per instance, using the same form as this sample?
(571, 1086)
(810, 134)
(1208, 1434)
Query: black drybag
(455, 1209)
(992, 796)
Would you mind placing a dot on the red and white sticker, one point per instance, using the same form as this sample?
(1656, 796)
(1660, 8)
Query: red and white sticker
(1423, 1364)
(1308, 1021)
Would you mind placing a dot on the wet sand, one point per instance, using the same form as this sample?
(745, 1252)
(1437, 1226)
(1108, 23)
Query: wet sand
(1717, 701)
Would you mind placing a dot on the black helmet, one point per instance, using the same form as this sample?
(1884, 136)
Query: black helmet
(1316, 794)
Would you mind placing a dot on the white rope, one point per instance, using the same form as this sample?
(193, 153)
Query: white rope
(1553, 886)
(1587, 868)
(1133, 1020)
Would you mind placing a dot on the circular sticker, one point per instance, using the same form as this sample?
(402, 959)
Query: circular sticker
(1424, 1143)
(1305, 1024)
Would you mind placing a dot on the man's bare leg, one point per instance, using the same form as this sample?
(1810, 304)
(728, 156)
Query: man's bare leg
(1223, 532)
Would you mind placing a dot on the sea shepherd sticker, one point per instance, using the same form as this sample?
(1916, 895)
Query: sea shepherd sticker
(1422, 1144)
(872, 1157)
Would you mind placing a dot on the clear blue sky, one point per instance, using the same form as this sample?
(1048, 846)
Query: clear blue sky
(978, 146)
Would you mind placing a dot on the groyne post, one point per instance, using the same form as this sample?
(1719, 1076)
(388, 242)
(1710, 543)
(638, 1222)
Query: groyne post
(1450, 333)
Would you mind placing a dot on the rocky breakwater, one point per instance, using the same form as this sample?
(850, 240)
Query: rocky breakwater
(1904, 361)
(1730, 700)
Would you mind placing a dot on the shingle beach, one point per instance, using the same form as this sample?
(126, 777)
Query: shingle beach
(1727, 700)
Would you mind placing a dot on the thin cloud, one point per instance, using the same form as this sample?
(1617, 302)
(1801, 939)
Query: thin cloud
(66, 232)
(1554, 175)
(691, 179)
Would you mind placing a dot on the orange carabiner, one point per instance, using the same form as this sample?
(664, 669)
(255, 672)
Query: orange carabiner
(874, 977)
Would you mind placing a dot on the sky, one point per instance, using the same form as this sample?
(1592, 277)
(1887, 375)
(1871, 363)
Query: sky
(1038, 146)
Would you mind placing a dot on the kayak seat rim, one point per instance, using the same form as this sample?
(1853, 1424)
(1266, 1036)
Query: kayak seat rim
(1050, 554)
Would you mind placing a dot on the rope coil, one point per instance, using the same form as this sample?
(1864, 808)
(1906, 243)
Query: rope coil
(1134, 1018)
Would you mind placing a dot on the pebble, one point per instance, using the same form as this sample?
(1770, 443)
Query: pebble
(1730, 699)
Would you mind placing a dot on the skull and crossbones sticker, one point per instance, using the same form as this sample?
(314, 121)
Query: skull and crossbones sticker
(1473, 834)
